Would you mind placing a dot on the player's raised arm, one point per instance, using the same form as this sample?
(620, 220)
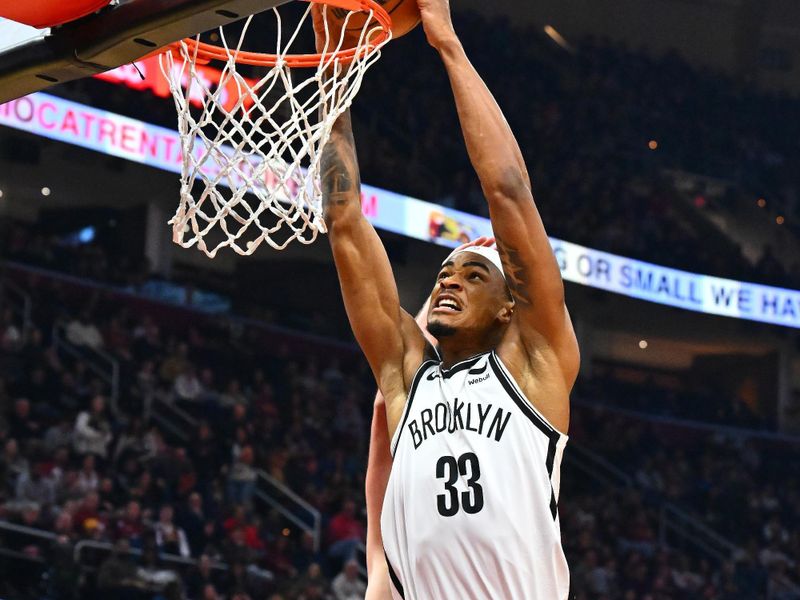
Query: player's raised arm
(389, 337)
(531, 269)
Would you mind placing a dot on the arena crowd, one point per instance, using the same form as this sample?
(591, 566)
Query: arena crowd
(134, 476)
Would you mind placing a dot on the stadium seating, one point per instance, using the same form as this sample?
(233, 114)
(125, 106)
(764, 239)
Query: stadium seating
(129, 472)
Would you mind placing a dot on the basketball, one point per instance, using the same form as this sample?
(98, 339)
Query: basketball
(404, 13)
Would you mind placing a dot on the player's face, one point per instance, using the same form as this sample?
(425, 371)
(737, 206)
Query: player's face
(470, 295)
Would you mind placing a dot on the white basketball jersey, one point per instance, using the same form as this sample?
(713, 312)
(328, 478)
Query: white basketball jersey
(471, 507)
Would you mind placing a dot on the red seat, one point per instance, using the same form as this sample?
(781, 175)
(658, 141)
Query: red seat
(48, 13)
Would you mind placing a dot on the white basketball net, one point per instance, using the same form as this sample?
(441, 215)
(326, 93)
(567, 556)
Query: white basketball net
(251, 169)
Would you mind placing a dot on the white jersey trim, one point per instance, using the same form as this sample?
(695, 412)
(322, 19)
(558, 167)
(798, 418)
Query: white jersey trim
(556, 440)
(522, 395)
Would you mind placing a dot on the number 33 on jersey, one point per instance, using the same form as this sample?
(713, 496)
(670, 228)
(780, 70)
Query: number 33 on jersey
(471, 508)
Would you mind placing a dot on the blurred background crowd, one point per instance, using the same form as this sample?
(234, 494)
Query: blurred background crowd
(174, 466)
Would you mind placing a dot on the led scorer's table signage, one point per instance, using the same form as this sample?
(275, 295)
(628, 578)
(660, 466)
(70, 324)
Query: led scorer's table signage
(159, 147)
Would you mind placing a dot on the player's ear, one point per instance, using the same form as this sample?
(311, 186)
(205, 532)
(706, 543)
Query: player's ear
(506, 311)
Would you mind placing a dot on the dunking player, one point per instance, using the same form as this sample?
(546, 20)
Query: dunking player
(470, 510)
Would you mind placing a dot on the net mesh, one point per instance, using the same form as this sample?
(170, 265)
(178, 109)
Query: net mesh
(251, 148)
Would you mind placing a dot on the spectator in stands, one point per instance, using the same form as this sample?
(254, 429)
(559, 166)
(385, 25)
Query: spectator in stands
(200, 577)
(233, 395)
(118, 339)
(10, 334)
(35, 486)
(64, 576)
(157, 578)
(87, 480)
(170, 538)
(749, 576)
(145, 490)
(21, 425)
(129, 525)
(118, 576)
(187, 386)
(146, 383)
(345, 532)
(87, 516)
(305, 555)
(193, 522)
(59, 435)
(56, 465)
(35, 386)
(12, 463)
(236, 550)
(347, 585)
(173, 471)
(207, 455)
(92, 433)
(312, 576)
(82, 331)
(175, 363)
(242, 477)
(131, 443)
(209, 593)
(349, 422)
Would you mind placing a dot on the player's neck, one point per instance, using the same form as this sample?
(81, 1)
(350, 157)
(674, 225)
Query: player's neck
(453, 353)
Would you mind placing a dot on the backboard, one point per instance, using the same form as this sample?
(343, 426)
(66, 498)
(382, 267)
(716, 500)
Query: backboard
(31, 60)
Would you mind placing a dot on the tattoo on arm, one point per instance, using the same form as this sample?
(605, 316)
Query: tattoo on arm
(340, 176)
(516, 272)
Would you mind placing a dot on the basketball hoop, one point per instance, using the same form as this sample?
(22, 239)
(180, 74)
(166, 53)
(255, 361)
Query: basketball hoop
(250, 170)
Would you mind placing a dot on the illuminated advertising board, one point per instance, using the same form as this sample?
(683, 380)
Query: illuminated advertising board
(159, 147)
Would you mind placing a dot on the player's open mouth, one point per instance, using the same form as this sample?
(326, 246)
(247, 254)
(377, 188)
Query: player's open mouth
(446, 303)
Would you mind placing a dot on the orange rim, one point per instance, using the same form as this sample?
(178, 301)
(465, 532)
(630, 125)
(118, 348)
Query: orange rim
(205, 53)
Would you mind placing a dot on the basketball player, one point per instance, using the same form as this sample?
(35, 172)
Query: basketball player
(477, 435)
(379, 468)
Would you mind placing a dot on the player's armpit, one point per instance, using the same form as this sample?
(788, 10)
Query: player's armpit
(534, 277)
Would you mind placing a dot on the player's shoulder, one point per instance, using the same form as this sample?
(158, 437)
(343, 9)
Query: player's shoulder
(537, 373)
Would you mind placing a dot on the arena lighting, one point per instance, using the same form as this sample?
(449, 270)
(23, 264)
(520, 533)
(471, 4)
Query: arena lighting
(158, 147)
(643, 344)
(45, 191)
(558, 38)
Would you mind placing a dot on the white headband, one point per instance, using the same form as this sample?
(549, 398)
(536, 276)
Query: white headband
(490, 254)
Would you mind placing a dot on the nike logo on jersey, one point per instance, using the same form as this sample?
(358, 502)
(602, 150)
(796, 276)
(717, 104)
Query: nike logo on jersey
(479, 371)
(476, 371)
